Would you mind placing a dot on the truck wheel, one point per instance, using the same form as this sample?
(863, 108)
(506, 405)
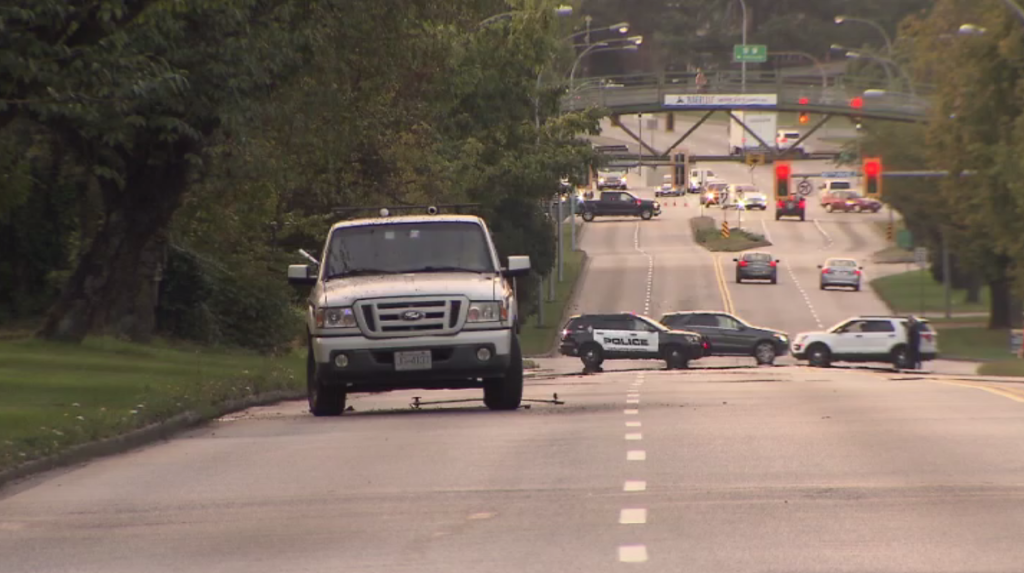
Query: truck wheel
(592, 356)
(819, 356)
(675, 358)
(588, 216)
(646, 214)
(324, 399)
(506, 393)
(764, 353)
(828, 207)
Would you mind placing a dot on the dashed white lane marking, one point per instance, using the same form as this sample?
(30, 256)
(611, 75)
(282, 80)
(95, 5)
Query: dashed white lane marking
(632, 412)
(636, 516)
(633, 424)
(650, 268)
(632, 401)
(828, 239)
(636, 455)
(633, 554)
(767, 233)
(634, 437)
(803, 293)
(634, 486)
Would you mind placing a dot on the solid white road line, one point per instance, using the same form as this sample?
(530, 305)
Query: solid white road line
(828, 239)
(767, 234)
(633, 516)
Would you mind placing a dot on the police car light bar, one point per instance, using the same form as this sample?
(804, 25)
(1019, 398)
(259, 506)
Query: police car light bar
(455, 208)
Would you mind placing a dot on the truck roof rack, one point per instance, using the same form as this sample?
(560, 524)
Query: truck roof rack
(385, 211)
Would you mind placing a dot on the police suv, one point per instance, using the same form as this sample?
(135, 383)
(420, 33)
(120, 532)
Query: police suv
(595, 338)
(414, 301)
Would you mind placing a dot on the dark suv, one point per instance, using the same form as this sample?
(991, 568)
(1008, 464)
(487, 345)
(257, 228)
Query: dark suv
(595, 338)
(730, 336)
(792, 206)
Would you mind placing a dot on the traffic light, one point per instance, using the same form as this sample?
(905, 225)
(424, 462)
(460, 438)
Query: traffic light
(804, 117)
(872, 177)
(782, 174)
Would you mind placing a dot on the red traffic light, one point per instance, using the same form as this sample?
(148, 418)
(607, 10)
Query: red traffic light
(782, 171)
(872, 167)
(803, 101)
(857, 102)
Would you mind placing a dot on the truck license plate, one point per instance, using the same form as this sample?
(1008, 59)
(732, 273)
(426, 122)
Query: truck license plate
(413, 360)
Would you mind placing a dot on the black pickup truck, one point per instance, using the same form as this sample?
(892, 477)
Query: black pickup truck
(619, 204)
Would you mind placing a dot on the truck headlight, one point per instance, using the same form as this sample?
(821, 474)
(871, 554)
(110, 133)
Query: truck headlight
(486, 312)
(328, 317)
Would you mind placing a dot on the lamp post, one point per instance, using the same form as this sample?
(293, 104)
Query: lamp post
(1012, 5)
(885, 35)
(634, 41)
(561, 11)
(743, 65)
(910, 83)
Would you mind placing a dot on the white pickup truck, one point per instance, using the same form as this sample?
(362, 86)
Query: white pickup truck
(415, 301)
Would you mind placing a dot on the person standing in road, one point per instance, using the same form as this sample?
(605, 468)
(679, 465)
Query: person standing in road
(914, 343)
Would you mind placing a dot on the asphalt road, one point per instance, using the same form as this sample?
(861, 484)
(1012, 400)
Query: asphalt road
(725, 467)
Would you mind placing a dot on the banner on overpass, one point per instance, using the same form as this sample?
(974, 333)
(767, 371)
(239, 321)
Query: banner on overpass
(725, 101)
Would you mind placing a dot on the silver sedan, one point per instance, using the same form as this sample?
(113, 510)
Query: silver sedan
(841, 273)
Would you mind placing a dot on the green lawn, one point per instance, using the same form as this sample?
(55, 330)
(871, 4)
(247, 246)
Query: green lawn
(974, 343)
(56, 396)
(1012, 367)
(708, 234)
(538, 340)
(915, 292)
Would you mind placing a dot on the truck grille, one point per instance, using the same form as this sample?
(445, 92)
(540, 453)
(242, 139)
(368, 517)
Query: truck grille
(411, 316)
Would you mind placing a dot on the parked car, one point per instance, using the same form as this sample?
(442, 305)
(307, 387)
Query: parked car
(841, 273)
(865, 339)
(729, 335)
(757, 265)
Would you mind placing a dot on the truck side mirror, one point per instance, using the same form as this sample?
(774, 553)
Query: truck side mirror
(302, 274)
(518, 266)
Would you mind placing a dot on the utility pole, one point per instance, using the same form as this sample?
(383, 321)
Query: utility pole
(743, 65)
(561, 261)
(947, 281)
(551, 276)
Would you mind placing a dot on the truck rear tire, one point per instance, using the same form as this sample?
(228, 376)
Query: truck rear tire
(324, 399)
(506, 393)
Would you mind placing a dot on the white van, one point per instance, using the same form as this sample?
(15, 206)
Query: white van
(787, 137)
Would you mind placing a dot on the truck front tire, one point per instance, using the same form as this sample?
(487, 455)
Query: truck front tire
(324, 399)
(506, 393)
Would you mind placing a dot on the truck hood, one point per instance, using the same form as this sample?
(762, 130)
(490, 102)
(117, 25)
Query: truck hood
(476, 286)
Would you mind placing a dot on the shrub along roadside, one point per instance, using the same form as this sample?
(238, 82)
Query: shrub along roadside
(59, 396)
(708, 234)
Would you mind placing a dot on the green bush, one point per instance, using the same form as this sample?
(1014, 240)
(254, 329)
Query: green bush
(210, 303)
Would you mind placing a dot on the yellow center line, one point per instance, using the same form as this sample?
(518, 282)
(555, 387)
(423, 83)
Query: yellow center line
(1004, 392)
(723, 285)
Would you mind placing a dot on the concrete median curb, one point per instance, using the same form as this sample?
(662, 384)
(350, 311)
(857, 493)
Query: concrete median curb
(142, 436)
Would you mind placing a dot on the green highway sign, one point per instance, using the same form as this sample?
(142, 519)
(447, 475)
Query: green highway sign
(750, 53)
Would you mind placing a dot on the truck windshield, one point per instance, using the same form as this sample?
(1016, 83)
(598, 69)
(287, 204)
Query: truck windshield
(408, 247)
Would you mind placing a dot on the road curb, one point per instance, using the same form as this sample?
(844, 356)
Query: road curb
(142, 436)
(573, 294)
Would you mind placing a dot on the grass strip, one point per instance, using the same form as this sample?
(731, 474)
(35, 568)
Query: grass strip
(708, 234)
(916, 292)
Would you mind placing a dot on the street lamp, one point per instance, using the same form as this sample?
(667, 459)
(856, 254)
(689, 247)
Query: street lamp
(817, 63)
(885, 35)
(621, 27)
(971, 30)
(561, 11)
(632, 46)
(1012, 5)
(853, 55)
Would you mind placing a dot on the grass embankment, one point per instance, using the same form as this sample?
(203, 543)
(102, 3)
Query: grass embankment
(57, 396)
(707, 232)
(892, 253)
(965, 335)
(537, 339)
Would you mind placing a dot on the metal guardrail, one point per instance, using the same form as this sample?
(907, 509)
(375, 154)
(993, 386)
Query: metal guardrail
(646, 93)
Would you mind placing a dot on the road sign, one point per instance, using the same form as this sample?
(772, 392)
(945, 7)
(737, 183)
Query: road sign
(725, 101)
(750, 53)
(804, 188)
(838, 174)
(904, 239)
(921, 256)
(755, 159)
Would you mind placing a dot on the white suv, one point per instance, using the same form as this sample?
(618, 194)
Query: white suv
(864, 339)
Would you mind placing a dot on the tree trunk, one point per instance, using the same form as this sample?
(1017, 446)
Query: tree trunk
(973, 284)
(1000, 303)
(110, 289)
